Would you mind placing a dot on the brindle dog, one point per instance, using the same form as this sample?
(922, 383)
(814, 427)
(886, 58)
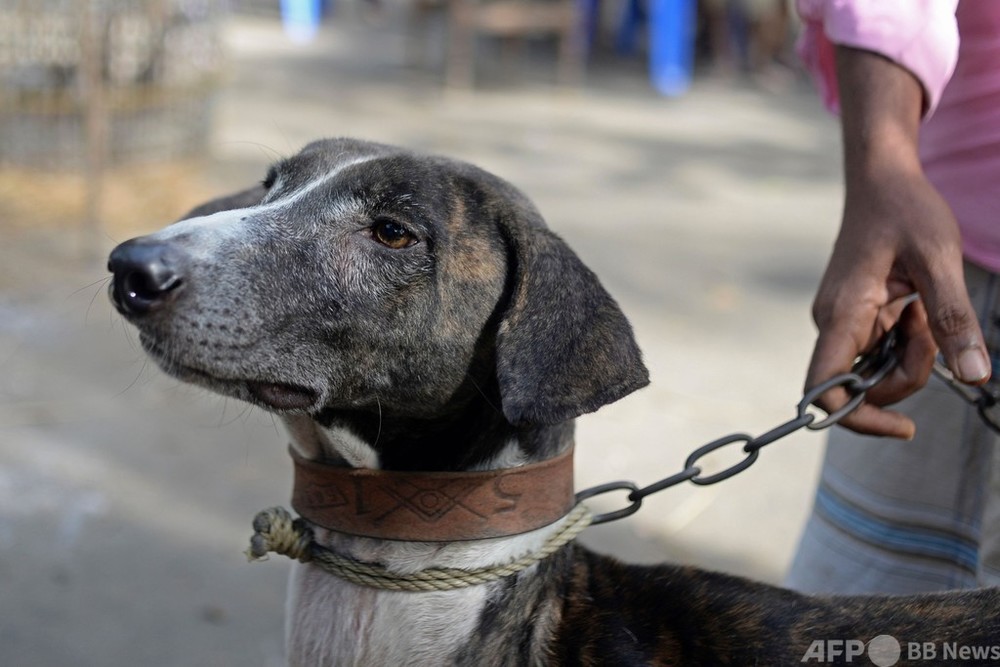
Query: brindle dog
(408, 312)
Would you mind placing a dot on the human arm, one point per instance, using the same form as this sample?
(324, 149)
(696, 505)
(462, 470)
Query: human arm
(898, 236)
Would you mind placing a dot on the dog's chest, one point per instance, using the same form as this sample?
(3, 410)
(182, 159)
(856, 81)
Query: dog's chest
(333, 622)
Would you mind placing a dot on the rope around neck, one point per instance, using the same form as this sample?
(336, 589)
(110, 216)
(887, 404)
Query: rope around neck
(276, 531)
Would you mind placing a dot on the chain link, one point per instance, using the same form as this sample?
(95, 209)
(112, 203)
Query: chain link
(982, 398)
(870, 369)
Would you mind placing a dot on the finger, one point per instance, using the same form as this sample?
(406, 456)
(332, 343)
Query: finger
(844, 333)
(955, 328)
(871, 420)
(892, 313)
(915, 362)
(834, 350)
(834, 353)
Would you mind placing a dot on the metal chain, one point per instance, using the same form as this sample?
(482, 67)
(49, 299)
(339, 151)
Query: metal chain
(871, 368)
(981, 398)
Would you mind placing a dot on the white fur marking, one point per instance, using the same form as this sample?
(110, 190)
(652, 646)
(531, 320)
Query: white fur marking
(351, 448)
(511, 456)
(308, 439)
(214, 229)
(334, 622)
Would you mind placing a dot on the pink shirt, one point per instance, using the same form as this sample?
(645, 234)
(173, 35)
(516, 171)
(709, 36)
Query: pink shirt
(955, 53)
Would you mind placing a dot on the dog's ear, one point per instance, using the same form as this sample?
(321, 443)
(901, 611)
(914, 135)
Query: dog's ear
(564, 347)
(242, 199)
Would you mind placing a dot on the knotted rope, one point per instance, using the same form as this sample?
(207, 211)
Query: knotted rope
(276, 531)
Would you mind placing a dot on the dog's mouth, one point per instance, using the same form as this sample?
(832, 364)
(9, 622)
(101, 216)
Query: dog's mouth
(282, 396)
(275, 395)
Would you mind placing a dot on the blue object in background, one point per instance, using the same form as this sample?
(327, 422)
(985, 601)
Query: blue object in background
(671, 45)
(301, 18)
(633, 19)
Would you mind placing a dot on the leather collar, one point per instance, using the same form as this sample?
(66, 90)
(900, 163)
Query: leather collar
(433, 506)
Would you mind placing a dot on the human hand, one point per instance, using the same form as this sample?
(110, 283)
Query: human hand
(898, 237)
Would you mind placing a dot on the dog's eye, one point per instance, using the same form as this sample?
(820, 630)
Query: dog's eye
(272, 176)
(393, 235)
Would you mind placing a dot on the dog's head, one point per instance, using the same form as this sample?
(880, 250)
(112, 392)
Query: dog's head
(359, 276)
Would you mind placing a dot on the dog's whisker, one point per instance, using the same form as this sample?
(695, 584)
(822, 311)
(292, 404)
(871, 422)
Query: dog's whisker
(222, 417)
(482, 393)
(93, 298)
(129, 339)
(284, 135)
(134, 381)
(241, 413)
(110, 237)
(105, 279)
(378, 435)
(266, 149)
(246, 452)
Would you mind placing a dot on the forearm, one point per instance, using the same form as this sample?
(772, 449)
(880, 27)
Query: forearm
(881, 107)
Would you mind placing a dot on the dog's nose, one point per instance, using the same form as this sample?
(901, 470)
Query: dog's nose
(147, 275)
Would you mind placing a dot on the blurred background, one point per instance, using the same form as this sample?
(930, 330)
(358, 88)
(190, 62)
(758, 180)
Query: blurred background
(674, 144)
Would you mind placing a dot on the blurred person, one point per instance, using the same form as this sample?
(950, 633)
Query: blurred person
(748, 36)
(917, 86)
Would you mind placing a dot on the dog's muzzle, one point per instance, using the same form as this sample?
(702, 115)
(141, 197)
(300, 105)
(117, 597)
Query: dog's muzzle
(148, 275)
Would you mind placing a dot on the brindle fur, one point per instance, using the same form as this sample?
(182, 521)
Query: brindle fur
(486, 335)
(583, 608)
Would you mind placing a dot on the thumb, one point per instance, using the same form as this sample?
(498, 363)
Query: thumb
(955, 327)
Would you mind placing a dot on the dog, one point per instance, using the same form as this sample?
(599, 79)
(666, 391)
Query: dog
(402, 312)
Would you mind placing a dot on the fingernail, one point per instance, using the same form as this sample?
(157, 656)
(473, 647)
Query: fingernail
(973, 366)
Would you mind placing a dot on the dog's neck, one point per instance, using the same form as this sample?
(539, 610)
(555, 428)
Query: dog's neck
(465, 443)
(331, 621)
(477, 437)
